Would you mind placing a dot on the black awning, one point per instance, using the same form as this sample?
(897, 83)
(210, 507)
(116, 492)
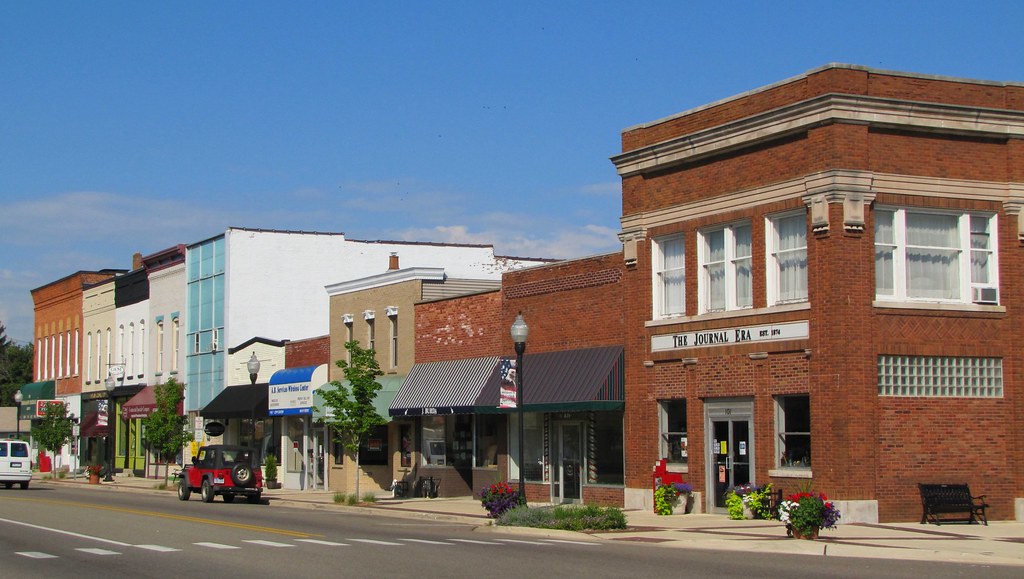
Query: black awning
(570, 380)
(242, 401)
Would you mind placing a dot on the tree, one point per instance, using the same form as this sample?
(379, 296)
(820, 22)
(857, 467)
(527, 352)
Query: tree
(15, 367)
(53, 431)
(354, 416)
(164, 429)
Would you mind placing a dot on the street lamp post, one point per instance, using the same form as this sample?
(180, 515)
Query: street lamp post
(109, 383)
(253, 365)
(519, 332)
(17, 421)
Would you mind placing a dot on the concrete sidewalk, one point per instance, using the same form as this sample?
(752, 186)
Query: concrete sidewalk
(1000, 543)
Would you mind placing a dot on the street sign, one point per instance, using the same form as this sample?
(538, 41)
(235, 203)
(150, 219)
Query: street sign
(42, 404)
(115, 370)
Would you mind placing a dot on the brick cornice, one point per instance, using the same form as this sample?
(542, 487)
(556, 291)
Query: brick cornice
(822, 110)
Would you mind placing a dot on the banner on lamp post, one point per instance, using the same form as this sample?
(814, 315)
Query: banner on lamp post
(507, 369)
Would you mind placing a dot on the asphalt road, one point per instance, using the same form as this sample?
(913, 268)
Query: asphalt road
(67, 532)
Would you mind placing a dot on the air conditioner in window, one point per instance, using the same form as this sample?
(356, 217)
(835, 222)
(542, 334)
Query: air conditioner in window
(985, 295)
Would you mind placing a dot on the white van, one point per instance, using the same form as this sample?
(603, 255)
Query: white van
(15, 464)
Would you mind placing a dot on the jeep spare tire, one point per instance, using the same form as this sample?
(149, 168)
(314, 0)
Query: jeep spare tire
(241, 474)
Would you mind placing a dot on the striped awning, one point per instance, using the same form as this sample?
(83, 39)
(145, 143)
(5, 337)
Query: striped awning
(447, 387)
(567, 381)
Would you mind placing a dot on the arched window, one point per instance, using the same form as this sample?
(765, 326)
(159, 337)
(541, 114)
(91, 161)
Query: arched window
(88, 356)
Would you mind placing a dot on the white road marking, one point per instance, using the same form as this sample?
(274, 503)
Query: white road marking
(372, 542)
(95, 551)
(425, 541)
(35, 555)
(267, 543)
(69, 533)
(158, 548)
(587, 543)
(476, 542)
(216, 546)
(319, 542)
(523, 542)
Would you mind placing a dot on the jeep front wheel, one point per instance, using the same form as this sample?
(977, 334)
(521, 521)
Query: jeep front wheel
(183, 491)
(207, 491)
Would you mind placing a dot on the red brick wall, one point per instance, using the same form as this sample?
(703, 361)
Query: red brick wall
(864, 446)
(308, 352)
(463, 327)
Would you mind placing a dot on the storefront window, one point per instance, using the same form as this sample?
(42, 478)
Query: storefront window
(373, 451)
(434, 439)
(533, 446)
(794, 428)
(405, 444)
(487, 439)
(674, 442)
(605, 465)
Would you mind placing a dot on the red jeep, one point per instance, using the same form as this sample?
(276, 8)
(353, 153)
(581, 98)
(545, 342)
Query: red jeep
(222, 470)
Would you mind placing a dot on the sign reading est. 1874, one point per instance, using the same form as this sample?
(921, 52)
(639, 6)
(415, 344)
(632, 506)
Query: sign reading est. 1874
(727, 336)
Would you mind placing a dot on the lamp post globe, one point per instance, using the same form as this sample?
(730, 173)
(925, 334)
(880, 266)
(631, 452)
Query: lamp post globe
(17, 418)
(109, 383)
(253, 365)
(519, 333)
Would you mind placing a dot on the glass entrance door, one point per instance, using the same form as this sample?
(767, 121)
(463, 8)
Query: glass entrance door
(730, 452)
(730, 446)
(567, 480)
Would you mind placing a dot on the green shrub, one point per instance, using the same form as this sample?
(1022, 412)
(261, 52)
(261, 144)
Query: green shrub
(734, 503)
(339, 498)
(565, 517)
(369, 498)
(352, 500)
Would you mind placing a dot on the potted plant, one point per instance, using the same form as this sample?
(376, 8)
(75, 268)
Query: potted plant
(668, 496)
(270, 471)
(749, 502)
(94, 470)
(498, 498)
(805, 514)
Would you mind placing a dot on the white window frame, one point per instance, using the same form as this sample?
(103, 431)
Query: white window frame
(772, 253)
(730, 263)
(394, 341)
(662, 307)
(782, 433)
(175, 343)
(967, 287)
(665, 433)
(159, 347)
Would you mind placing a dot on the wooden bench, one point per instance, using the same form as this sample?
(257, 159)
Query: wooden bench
(944, 499)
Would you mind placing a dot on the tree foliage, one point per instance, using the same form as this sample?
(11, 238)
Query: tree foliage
(165, 428)
(15, 367)
(53, 430)
(353, 416)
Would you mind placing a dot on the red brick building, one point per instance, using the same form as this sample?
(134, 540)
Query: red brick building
(820, 289)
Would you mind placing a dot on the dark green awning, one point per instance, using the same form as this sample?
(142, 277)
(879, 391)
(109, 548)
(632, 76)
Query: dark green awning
(45, 390)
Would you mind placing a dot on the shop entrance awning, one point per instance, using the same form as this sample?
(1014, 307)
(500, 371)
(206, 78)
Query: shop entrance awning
(91, 426)
(142, 404)
(567, 381)
(446, 387)
(242, 401)
(33, 391)
(389, 387)
(292, 389)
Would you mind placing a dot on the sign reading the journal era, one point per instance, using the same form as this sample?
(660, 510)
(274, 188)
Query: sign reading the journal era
(727, 336)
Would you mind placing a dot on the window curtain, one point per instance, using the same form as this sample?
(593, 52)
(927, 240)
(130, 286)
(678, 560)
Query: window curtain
(741, 267)
(673, 277)
(932, 256)
(714, 269)
(791, 255)
(980, 249)
(885, 283)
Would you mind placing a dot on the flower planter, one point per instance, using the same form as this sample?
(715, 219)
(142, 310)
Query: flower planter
(810, 535)
(94, 479)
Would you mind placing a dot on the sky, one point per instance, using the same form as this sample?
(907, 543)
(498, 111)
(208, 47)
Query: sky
(134, 126)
